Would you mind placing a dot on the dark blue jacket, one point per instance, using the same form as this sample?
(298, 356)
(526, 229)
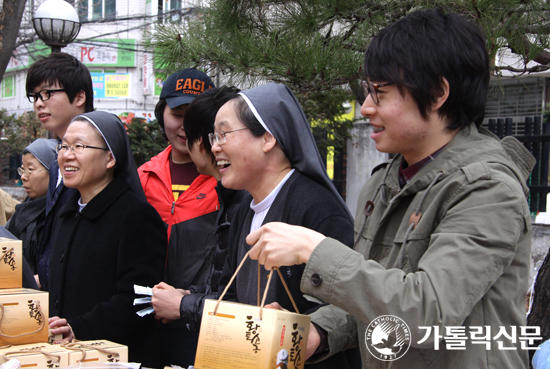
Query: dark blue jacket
(55, 199)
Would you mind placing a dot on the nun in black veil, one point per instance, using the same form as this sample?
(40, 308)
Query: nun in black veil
(107, 238)
(263, 144)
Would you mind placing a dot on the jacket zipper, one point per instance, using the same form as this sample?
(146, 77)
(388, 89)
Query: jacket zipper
(173, 206)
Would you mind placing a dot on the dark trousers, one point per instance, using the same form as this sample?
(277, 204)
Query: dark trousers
(179, 345)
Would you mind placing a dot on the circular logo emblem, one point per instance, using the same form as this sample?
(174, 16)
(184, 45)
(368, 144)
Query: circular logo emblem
(388, 338)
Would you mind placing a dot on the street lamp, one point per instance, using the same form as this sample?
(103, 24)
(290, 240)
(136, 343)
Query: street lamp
(56, 23)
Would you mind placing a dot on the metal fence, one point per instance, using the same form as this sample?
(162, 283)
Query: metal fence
(536, 139)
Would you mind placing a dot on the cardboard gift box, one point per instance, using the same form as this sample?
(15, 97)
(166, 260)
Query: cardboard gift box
(23, 316)
(39, 355)
(52, 338)
(239, 336)
(100, 351)
(11, 263)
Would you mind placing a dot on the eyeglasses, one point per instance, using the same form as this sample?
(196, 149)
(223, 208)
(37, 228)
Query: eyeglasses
(77, 148)
(372, 89)
(27, 172)
(220, 137)
(43, 95)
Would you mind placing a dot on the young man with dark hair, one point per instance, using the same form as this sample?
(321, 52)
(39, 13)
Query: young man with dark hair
(442, 231)
(60, 88)
(186, 201)
(198, 123)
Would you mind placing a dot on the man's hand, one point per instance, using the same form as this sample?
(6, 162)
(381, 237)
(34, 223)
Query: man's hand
(59, 325)
(166, 301)
(276, 244)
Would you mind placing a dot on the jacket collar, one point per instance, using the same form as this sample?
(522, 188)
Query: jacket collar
(159, 164)
(28, 211)
(100, 203)
(469, 145)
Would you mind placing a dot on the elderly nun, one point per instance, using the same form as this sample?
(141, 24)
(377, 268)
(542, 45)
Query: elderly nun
(27, 223)
(107, 239)
(263, 143)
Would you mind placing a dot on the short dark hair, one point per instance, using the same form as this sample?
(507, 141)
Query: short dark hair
(417, 51)
(159, 114)
(66, 70)
(198, 119)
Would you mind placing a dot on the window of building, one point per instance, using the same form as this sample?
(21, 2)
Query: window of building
(96, 9)
(8, 87)
(516, 98)
(172, 10)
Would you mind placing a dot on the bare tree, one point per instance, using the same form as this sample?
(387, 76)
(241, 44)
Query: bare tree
(10, 20)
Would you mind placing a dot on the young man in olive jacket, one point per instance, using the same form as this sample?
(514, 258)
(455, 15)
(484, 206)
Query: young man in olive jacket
(440, 265)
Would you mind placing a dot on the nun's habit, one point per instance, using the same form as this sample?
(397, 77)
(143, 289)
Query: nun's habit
(99, 253)
(308, 199)
(43, 150)
(280, 113)
(116, 138)
(27, 223)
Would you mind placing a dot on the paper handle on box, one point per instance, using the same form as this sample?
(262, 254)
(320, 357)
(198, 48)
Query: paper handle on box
(56, 357)
(39, 310)
(266, 288)
(77, 346)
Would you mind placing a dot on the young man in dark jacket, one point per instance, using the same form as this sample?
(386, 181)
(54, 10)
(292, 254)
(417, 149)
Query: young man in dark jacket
(60, 88)
(204, 263)
(186, 201)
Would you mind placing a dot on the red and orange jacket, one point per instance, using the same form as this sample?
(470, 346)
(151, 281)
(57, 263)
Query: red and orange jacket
(190, 220)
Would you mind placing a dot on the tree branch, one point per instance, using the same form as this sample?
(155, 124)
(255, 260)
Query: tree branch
(542, 57)
(535, 69)
(24, 41)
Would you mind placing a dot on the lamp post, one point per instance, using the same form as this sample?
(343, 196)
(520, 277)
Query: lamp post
(56, 23)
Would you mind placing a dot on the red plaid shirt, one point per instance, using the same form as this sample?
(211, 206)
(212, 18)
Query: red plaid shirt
(407, 172)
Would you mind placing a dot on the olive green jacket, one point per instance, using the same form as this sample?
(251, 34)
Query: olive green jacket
(464, 262)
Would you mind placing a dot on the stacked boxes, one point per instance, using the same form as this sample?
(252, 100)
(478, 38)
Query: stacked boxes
(23, 314)
(24, 323)
(23, 311)
(24, 332)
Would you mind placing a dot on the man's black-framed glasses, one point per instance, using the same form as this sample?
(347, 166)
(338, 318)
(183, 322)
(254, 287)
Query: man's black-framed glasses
(77, 148)
(372, 88)
(219, 137)
(43, 95)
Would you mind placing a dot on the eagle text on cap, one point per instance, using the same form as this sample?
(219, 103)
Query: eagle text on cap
(190, 86)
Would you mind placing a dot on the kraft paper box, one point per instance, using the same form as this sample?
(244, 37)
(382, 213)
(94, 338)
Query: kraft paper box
(99, 351)
(23, 316)
(54, 337)
(38, 355)
(236, 338)
(11, 263)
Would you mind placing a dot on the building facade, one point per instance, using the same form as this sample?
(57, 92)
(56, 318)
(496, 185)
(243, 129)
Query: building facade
(111, 43)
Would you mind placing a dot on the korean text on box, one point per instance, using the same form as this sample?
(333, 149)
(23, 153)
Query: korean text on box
(236, 338)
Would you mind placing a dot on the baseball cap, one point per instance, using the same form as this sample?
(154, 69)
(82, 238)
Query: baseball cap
(184, 85)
